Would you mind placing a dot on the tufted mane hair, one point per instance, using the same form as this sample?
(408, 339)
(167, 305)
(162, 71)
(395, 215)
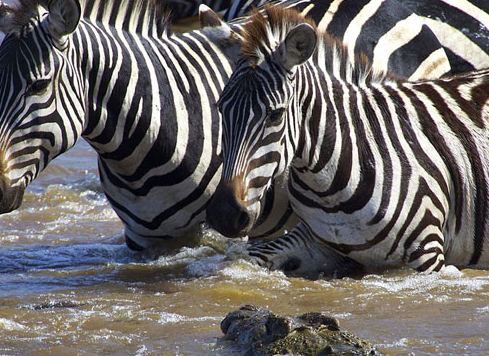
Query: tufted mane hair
(262, 34)
(145, 17)
(265, 32)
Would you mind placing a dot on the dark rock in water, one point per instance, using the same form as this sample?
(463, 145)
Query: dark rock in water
(260, 332)
(54, 305)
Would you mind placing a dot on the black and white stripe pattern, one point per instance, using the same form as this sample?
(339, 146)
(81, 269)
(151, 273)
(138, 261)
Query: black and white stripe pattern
(384, 171)
(453, 35)
(144, 99)
(461, 26)
(239, 8)
(390, 32)
(395, 38)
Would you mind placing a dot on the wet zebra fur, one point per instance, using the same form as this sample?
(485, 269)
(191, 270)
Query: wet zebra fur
(382, 171)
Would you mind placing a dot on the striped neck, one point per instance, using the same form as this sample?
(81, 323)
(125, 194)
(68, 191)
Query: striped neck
(330, 89)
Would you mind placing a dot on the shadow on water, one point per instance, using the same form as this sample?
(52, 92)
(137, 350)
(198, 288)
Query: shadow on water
(42, 268)
(79, 256)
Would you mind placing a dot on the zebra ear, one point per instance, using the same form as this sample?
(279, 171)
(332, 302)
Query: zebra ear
(208, 18)
(299, 45)
(64, 16)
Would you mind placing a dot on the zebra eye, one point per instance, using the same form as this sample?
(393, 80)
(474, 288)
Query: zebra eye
(275, 116)
(38, 86)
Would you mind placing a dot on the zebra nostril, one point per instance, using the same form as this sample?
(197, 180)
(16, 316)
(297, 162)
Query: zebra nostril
(227, 214)
(243, 219)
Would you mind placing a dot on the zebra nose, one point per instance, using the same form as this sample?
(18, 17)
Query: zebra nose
(226, 214)
(10, 197)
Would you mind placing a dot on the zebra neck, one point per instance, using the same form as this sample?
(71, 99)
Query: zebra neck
(333, 157)
(144, 93)
(121, 82)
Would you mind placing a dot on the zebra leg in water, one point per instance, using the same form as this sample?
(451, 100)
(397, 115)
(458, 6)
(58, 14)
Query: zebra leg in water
(300, 253)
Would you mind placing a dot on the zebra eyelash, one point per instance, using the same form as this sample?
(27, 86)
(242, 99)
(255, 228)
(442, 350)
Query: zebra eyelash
(38, 86)
(275, 116)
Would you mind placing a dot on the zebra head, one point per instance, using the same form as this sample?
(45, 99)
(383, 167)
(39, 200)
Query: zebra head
(260, 122)
(37, 121)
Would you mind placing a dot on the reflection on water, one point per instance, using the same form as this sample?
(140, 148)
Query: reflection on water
(69, 285)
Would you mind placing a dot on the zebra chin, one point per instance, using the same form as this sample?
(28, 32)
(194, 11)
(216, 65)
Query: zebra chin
(11, 197)
(227, 215)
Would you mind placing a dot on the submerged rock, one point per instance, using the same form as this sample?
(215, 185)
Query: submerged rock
(260, 332)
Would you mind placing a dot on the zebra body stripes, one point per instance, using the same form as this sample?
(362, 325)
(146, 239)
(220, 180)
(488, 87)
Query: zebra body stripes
(461, 26)
(382, 171)
(109, 78)
(390, 31)
(143, 99)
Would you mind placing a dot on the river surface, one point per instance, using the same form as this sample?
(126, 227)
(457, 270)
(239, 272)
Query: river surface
(69, 285)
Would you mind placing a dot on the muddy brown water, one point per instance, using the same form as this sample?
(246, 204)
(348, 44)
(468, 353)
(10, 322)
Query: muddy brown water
(68, 285)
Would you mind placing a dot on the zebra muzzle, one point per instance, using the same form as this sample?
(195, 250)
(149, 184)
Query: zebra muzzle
(10, 197)
(227, 214)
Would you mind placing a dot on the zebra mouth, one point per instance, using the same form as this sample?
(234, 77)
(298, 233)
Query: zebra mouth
(11, 197)
(227, 215)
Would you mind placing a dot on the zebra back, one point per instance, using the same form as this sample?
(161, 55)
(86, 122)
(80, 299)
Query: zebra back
(462, 27)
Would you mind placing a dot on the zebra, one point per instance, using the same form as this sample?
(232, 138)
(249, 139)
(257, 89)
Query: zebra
(461, 26)
(383, 28)
(389, 33)
(143, 98)
(110, 72)
(239, 8)
(383, 172)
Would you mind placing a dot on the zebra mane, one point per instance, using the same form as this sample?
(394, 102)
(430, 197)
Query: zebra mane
(145, 17)
(263, 34)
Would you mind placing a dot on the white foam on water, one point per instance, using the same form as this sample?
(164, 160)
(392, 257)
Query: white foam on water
(483, 310)
(10, 325)
(78, 314)
(345, 315)
(143, 350)
(109, 335)
(417, 283)
(451, 272)
(172, 318)
(401, 343)
(185, 256)
(9, 238)
(206, 266)
(242, 270)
